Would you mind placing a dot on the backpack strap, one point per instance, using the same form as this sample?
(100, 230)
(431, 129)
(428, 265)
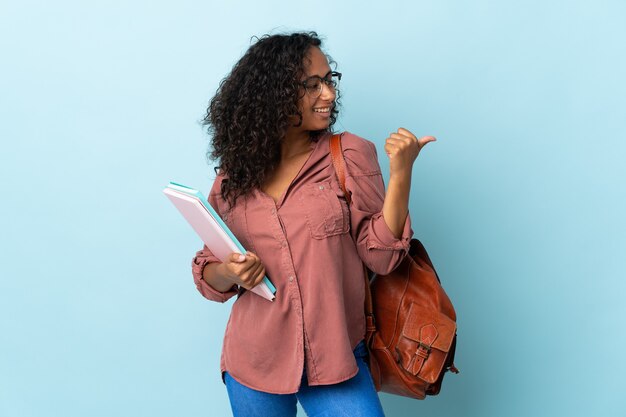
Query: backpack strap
(340, 169)
(339, 163)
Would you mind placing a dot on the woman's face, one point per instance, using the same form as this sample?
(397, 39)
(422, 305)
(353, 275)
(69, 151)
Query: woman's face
(316, 110)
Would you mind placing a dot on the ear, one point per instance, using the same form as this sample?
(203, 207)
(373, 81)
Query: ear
(300, 119)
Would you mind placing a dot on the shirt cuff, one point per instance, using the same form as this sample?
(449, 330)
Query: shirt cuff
(381, 237)
(197, 267)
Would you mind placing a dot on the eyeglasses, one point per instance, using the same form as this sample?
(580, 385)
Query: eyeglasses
(313, 84)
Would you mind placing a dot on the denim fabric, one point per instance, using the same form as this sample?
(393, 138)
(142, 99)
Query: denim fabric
(355, 397)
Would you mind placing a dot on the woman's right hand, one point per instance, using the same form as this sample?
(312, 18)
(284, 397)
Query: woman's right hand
(246, 270)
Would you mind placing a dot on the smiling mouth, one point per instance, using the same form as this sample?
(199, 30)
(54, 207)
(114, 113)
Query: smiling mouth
(322, 110)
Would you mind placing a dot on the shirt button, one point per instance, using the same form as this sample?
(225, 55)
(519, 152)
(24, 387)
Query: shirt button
(273, 211)
(290, 278)
(284, 244)
(225, 218)
(321, 187)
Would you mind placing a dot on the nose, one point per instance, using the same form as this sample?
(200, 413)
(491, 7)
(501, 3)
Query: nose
(328, 93)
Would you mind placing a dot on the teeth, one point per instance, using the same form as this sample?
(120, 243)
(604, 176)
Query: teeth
(322, 110)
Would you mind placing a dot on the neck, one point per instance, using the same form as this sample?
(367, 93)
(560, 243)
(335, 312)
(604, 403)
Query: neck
(294, 143)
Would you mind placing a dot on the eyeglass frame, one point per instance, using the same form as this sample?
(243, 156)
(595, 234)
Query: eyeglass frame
(323, 80)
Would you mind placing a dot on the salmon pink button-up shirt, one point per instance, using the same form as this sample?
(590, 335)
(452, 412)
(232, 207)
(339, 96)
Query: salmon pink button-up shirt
(312, 246)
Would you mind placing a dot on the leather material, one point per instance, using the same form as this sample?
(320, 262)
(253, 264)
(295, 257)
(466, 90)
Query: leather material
(410, 320)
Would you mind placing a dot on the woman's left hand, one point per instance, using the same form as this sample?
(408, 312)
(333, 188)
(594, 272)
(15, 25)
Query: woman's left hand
(402, 147)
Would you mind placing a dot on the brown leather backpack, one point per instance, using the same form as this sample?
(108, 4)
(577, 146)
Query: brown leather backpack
(411, 323)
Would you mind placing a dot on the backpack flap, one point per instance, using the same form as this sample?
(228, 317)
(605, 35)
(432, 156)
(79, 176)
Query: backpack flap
(425, 342)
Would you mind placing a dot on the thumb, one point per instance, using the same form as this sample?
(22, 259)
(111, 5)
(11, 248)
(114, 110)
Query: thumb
(426, 139)
(237, 257)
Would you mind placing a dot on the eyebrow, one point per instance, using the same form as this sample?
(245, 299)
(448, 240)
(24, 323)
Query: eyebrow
(322, 76)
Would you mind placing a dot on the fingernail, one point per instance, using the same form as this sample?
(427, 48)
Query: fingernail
(241, 258)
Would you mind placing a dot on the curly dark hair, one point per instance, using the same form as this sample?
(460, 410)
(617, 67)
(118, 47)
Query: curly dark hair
(249, 114)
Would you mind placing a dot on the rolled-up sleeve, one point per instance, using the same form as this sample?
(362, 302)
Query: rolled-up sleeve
(205, 256)
(379, 249)
(202, 258)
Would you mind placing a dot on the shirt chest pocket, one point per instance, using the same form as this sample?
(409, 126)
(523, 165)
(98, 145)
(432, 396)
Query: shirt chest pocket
(325, 210)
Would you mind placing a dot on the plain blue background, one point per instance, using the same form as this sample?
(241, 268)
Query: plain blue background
(520, 202)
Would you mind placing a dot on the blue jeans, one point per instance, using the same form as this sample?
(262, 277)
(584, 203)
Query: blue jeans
(355, 397)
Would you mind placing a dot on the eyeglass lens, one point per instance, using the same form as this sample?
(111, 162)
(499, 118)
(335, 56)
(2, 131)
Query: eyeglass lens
(314, 84)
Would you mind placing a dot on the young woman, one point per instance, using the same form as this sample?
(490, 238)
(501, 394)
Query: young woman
(271, 121)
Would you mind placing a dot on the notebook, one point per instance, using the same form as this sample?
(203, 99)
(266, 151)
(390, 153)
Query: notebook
(211, 228)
